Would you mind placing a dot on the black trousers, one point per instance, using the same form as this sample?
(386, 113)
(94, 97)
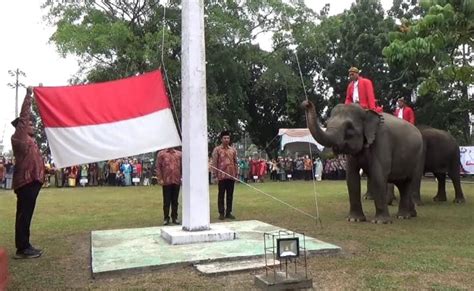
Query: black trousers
(25, 206)
(112, 179)
(226, 188)
(170, 198)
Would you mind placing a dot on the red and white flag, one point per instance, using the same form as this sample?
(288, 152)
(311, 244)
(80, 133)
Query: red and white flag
(102, 121)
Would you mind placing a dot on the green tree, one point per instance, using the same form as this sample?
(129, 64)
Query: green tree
(355, 37)
(404, 10)
(116, 39)
(437, 51)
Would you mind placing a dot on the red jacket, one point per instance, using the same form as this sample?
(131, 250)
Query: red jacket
(366, 93)
(408, 114)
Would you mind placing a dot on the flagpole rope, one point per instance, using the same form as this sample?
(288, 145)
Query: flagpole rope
(309, 144)
(268, 195)
(268, 145)
(165, 71)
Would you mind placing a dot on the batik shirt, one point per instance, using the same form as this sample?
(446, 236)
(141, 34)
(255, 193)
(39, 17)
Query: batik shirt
(224, 159)
(168, 167)
(29, 165)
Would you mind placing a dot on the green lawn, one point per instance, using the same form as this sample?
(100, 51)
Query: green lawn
(433, 251)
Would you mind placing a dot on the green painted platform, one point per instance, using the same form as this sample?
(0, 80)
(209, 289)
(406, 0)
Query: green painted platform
(129, 249)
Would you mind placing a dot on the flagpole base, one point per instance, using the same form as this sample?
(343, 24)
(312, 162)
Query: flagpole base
(176, 235)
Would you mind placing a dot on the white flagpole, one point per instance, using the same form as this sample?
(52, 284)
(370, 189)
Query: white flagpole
(196, 212)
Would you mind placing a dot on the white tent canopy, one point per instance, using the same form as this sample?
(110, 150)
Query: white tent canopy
(296, 136)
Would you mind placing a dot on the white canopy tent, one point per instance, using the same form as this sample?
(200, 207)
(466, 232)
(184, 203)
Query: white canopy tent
(297, 139)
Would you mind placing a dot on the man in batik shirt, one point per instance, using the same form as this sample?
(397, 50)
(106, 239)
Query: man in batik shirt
(168, 171)
(28, 178)
(225, 169)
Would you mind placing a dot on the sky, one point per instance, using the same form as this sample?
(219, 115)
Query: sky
(26, 47)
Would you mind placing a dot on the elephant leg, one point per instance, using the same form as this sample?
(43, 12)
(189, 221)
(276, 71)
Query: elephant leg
(406, 207)
(415, 188)
(456, 179)
(416, 195)
(390, 194)
(441, 195)
(368, 196)
(378, 187)
(353, 186)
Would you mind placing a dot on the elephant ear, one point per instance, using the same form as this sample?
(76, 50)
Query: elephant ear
(371, 123)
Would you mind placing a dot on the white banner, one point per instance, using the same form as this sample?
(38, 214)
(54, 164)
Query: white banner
(467, 160)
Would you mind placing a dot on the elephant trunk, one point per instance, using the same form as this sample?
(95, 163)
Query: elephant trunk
(324, 138)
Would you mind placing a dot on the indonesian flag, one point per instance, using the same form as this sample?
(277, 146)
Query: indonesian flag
(110, 120)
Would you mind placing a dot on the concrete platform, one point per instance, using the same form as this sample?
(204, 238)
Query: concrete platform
(282, 282)
(175, 235)
(232, 266)
(132, 249)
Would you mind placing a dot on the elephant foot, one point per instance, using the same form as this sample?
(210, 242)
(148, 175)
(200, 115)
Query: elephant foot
(459, 200)
(356, 218)
(439, 198)
(417, 202)
(390, 202)
(382, 220)
(404, 215)
(368, 196)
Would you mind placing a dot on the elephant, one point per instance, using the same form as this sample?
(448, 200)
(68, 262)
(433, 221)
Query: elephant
(387, 148)
(441, 156)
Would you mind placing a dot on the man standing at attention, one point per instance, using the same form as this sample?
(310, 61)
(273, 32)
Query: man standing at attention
(224, 161)
(404, 112)
(360, 91)
(168, 172)
(28, 178)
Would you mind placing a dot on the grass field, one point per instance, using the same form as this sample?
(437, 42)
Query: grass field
(433, 251)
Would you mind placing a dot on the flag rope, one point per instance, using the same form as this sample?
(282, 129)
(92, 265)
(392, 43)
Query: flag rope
(309, 145)
(166, 72)
(269, 195)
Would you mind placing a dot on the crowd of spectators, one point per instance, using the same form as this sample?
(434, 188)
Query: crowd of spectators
(134, 172)
(6, 172)
(119, 172)
(255, 169)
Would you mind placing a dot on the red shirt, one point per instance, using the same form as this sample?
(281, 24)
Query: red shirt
(256, 168)
(139, 169)
(29, 164)
(408, 114)
(366, 93)
(224, 159)
(168, 167)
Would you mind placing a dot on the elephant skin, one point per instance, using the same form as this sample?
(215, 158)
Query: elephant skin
(390, 194)
(388, 149)
(441, 157)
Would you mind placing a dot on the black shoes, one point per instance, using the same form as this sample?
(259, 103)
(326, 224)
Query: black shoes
(29, 253)
(167, 221)
(35, 249)
(230, 216)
